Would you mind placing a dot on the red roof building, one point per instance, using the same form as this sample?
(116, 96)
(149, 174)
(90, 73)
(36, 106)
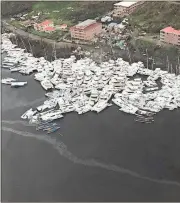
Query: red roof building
(44, 25)
(170, 35)
(49, 29)
(86, 30)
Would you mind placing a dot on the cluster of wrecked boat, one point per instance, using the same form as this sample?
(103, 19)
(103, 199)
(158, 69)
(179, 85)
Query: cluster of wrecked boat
(83, 85)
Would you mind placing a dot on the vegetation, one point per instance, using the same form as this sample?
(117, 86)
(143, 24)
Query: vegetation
(14, 7)
(155, 50)
(70, 12)
(16, 23)
(56, 35)
(151, 17)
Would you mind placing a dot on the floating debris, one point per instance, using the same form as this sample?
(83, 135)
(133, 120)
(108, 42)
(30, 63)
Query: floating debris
(47, 126)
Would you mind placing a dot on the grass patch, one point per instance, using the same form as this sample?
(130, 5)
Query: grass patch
(17, 24)
(57, 35)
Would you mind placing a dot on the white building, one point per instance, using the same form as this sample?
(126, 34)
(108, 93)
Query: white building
(125, 8)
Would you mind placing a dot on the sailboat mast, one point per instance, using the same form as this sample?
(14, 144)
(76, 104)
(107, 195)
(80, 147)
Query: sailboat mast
(168, 64)
(15, 37)
(54, 51)
(152, 64)
(101, 55)
(147, 62)
(178, 65)
(24, 44)
(129, 55)
(30, 46)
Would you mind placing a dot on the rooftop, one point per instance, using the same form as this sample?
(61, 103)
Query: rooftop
(171, 30)
(49, 28)
(46, 22)
(86, 23)
(125, 3)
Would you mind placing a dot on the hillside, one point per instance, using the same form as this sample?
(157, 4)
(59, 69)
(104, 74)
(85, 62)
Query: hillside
(153, 16)
(72, 11)
(68, 11)
(9, 8)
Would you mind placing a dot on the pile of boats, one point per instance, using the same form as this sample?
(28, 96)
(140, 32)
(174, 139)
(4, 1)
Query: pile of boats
(82, 85)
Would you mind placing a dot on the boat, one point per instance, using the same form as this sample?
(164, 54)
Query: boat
(8, 81)
(46, 84)
(18, 84)
(28, 114)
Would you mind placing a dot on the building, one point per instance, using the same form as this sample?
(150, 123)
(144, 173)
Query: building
(44, 26)
(49, 29)
(86, 30)
(62, 27)
(170, 35)
(124, 8)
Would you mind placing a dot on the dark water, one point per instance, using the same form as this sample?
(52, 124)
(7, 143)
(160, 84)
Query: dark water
(109, 157)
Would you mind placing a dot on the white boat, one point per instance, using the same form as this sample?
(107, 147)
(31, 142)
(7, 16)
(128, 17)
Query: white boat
(15, 69)
(129, 109)
(28, 114)
(7, 81)
(51, 115)
(18, 84)
(46, 84)
(100, 106)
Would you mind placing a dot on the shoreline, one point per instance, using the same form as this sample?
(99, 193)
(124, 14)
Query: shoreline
(136, 50)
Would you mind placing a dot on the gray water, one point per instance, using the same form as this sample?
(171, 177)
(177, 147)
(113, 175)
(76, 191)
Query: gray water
(100, 157)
